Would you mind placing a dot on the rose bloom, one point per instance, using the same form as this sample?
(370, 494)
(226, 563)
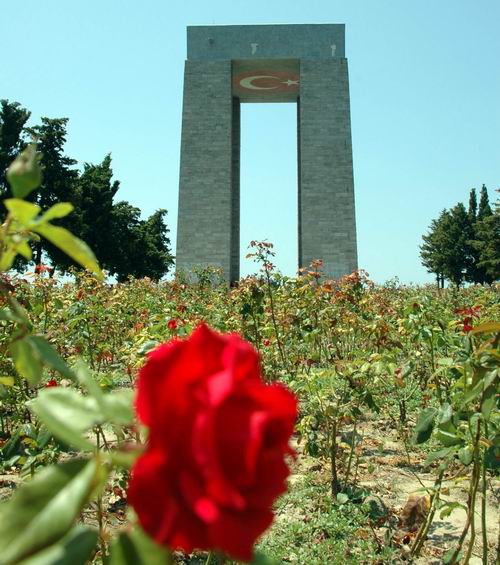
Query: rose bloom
(172, 324)
(215, 459)
(51, 383)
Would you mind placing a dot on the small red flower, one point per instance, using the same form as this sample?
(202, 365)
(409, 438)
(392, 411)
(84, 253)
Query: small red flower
(469, 314)
(172, 324)
(40, 268)
(218, 435)
(51, 383)
(266, 342)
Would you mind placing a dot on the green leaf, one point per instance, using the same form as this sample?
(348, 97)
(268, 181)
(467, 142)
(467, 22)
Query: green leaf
(136, 548)
(425, 423)
(23, 212)
(25, 173)
(342, 498)
(77, 249)
(86, 379)
(472, 393)
(31, 353)
(448, 438)
(59, 210)
(49, 356)
(67, 414)
(26, 360)
(43, 510)
(445, 413)
(448, 508)
(489, 401)
(262, 559)
(118, 407)
(492, 457)
(466, 455)
(76, 548)
(439, 455)
(7, 381)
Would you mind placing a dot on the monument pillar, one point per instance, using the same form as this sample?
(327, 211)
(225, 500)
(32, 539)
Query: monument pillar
(327, 225)
(208, 217)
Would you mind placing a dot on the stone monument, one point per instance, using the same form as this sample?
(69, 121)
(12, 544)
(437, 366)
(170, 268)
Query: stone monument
(230, 65)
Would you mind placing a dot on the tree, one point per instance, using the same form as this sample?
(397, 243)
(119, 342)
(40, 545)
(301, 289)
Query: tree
(157, 258)
(484, 204)
(446, 250)
(433, 251)
(142, 247)
(458, 231)
(486, 243)
(472, 205)
(124, 244)
(59, 176)
(13, 118)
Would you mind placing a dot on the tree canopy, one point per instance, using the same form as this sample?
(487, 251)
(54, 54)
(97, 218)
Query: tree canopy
(125, 244)
(464, 245)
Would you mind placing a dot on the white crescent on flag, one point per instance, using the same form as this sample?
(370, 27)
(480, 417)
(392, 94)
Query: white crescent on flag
(248, 83)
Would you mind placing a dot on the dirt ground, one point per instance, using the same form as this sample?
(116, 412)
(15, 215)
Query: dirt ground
(395, 478)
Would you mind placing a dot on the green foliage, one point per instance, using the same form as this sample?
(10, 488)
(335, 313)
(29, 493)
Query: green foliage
(13, 118)
(45, 509)
(464, 245)
(124, 244)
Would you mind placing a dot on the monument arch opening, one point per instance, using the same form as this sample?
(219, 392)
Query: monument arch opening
(268, 185)
(228, 66)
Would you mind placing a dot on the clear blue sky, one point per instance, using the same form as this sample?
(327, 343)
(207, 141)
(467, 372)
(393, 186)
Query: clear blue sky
(425, 105)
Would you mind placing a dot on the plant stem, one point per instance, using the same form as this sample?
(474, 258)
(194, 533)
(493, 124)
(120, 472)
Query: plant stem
(333, 461)
(483, 511)
(471, 500)
(422, 534)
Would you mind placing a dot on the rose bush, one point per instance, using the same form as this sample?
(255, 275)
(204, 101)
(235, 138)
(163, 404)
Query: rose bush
(218, 436)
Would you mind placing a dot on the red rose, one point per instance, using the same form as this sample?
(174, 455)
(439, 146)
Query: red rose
(215, 459)
(172, 324)
(51, 383)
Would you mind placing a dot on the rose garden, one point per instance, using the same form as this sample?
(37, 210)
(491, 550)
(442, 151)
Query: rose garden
(285, 420)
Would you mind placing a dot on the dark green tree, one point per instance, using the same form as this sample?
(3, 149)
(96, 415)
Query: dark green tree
(433, 248)
(484, 204)
(459, 233)
(59, 174)
(446, 250)
(157, 258)
(124, 244)
(486, 244)
(142, 247)
(472, 205)
(13, 118)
